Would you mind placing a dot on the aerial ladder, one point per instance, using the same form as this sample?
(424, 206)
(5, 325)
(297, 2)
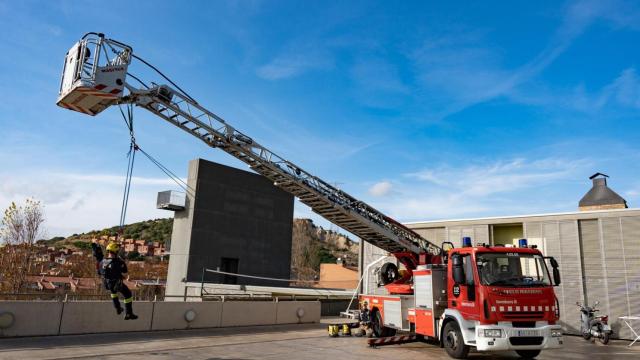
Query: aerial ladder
(486, 297)
(95, 78)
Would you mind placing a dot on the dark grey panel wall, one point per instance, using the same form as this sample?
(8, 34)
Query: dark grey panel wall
(239, 215)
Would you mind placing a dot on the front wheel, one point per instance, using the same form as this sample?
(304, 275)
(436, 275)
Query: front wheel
(604, 339)
(453, 341)
(528, 354)
(586, 335)
(379, 330)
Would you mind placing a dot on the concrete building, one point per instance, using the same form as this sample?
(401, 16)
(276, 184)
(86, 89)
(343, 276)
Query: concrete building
(238, 222)
(598, 251)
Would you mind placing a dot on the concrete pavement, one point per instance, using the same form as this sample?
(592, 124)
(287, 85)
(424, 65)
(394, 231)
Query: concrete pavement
(263, 342)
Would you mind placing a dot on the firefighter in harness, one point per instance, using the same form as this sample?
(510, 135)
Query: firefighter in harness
(112, 269)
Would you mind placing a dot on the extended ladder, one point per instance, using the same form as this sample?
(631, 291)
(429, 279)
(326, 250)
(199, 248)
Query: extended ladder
(95, 79)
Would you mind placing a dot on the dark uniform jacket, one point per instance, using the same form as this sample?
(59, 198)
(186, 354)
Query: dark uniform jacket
(112, 269)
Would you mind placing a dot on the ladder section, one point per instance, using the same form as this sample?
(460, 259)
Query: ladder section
(331, 203)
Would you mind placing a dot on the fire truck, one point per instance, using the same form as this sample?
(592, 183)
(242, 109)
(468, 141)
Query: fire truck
(491, 298)
(488, 297)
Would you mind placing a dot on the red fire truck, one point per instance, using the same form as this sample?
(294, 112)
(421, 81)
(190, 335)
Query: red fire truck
(491, 298)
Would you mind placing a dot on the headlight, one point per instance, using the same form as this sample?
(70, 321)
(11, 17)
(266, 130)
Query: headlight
(555, 333)
(494, 333)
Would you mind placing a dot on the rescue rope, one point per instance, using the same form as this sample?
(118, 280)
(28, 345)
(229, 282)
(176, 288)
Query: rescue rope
(131, 155)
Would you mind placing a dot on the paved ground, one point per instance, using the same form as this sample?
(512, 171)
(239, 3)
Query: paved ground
(276, 342)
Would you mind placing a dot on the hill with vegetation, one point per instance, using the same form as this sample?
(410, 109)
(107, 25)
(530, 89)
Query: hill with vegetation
(311, 246)
(150, 230)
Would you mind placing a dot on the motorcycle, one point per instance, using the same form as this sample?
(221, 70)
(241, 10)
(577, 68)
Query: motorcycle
(594, 326)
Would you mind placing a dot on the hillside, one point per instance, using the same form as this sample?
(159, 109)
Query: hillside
(311, 244)
(149, 230)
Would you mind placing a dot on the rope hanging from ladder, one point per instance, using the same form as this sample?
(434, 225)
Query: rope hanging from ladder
(131, 155)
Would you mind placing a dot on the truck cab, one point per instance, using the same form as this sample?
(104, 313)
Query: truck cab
(500, 298)
(492, 298)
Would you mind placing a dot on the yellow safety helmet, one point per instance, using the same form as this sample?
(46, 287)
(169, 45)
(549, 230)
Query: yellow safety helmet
(113, 247)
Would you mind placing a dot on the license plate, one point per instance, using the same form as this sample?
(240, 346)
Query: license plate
(528, 333)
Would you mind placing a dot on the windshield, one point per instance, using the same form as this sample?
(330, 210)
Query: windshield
(512, 269)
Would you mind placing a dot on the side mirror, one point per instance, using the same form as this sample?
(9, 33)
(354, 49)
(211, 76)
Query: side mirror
(458, 269)
(555, 271)
(556, 276)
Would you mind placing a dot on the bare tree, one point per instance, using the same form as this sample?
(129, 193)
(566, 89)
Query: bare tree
(19, 229)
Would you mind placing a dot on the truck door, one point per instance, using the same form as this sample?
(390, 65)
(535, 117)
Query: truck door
(462, 289)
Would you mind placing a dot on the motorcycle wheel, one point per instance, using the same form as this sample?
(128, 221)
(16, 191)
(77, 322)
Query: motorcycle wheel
(586, 336)
(604, 339)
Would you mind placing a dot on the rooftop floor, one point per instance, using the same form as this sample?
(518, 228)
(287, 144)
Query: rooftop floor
(273, 342)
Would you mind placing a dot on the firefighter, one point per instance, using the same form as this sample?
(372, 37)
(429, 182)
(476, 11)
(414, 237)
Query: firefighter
(112, 269)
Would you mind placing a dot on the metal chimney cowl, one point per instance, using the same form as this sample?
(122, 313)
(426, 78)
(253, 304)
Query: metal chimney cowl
(600, 196)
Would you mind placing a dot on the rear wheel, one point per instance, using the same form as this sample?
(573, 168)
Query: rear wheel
(453, 341)
(604, 339)
(379, 330)
(528, 354)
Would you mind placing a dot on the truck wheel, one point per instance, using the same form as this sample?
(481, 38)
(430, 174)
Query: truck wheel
(528, 354)
(453, 341)
(379, 330)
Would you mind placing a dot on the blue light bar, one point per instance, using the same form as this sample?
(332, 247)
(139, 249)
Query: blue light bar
(522, 243)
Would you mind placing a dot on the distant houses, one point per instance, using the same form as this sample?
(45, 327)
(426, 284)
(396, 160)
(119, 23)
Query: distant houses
(142, 247)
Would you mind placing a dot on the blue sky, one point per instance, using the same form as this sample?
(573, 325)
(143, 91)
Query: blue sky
(424, 110)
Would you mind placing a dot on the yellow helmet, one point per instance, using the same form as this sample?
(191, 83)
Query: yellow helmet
(113, 247)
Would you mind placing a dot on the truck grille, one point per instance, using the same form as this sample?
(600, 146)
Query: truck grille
(524, 315)
(526, 340)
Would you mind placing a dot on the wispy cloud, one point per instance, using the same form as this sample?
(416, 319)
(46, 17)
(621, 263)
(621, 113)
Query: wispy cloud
(623, 91)
(76, 203)
(501, 187)
(297, 60)
(467, 73)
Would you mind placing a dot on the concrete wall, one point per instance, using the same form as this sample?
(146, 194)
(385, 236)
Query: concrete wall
(83, 317)
(237, 215)
(32, 318)
(171, 315)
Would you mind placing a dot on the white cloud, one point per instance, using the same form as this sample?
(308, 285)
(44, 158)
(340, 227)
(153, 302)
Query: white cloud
(380, 189)
(501, 187)
(75, 203)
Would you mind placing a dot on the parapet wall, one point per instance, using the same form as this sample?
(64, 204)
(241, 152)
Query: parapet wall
(37, 318)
